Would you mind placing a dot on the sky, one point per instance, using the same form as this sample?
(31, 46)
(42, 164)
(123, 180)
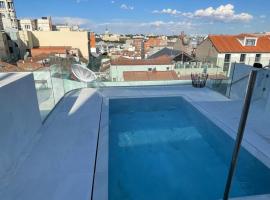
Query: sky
(168, 17)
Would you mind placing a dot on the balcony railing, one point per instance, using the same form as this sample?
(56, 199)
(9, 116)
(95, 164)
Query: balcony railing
(53, 82)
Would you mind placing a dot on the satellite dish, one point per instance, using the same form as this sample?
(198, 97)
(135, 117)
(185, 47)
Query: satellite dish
(83, 74)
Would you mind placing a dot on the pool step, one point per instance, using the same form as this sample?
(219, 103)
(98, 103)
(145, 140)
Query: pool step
(257, 197)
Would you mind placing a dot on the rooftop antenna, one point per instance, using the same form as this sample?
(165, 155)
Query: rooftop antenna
(106, 30)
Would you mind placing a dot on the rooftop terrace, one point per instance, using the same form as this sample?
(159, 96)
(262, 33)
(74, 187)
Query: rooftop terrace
(56, 158)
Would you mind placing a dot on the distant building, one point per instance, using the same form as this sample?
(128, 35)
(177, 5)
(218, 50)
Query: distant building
(155, 42)
(75, 39)
(61, 51)
(8, 15)
(65, 27)
(176, 55)
(44, 24)
(223, 50)
(28, 24)
(41, 24)
(121, 65)
(182, 43)
(110, 37)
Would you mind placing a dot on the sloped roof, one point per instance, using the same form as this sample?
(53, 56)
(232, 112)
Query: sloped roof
(149, 75)
(165, 52)
(163, 60)
(231, 44)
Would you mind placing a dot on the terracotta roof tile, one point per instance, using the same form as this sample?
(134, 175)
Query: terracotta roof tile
(231, 44)
(49, 50)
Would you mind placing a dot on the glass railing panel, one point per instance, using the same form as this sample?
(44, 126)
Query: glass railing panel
(57, 81)
(227, 79)
(62, 67)
(252, 175)
(45, 91)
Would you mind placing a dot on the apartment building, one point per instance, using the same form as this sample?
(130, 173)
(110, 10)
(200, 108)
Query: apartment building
(41, 24)
(155, 42)
(44, 24)
(74, 39)
(28, 24)
(223, 50)
(8, 15)
(110, 37)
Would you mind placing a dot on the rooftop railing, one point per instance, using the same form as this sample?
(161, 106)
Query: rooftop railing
(53, 82)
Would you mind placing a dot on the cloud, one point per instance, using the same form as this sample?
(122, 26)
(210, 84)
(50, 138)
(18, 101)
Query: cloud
(71, 21)
(167, 11)
(123, 27)
(126, 7)
(158, 27)
(223, 13)
(262, 16)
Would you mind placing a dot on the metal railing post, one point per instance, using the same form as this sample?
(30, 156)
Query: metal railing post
(240, 133)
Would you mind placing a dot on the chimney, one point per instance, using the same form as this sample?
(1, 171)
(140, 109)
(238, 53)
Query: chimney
(93, 43)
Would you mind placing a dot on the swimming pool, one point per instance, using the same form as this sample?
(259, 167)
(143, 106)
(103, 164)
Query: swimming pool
(164, 148)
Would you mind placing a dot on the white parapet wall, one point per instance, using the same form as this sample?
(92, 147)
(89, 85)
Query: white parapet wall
(19, 119)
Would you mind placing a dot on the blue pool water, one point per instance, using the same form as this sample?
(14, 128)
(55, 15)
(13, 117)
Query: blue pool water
(163, 148)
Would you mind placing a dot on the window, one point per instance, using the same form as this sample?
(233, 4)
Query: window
(10, 5)
(2, 4)
(168, 68)
(227, 58)
(243, 58)
(27, 27)
(250, 42)
(258, 58)
(149, 69)
(227, 63)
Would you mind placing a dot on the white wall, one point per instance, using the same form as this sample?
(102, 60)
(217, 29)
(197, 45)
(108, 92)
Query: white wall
(116, 72)
(250, 59)
(19, 118)
(75, 39)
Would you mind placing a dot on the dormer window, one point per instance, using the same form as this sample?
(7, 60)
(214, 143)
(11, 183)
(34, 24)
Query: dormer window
(250, 41)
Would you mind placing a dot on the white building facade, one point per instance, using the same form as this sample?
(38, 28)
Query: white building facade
(8, 15)
(224, 50)
(28, 24)
(44, 24)
(119, 66)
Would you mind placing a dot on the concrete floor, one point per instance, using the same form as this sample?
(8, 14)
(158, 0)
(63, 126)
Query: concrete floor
(60, 164)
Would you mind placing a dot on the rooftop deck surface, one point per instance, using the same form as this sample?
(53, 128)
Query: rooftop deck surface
(60, 164)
